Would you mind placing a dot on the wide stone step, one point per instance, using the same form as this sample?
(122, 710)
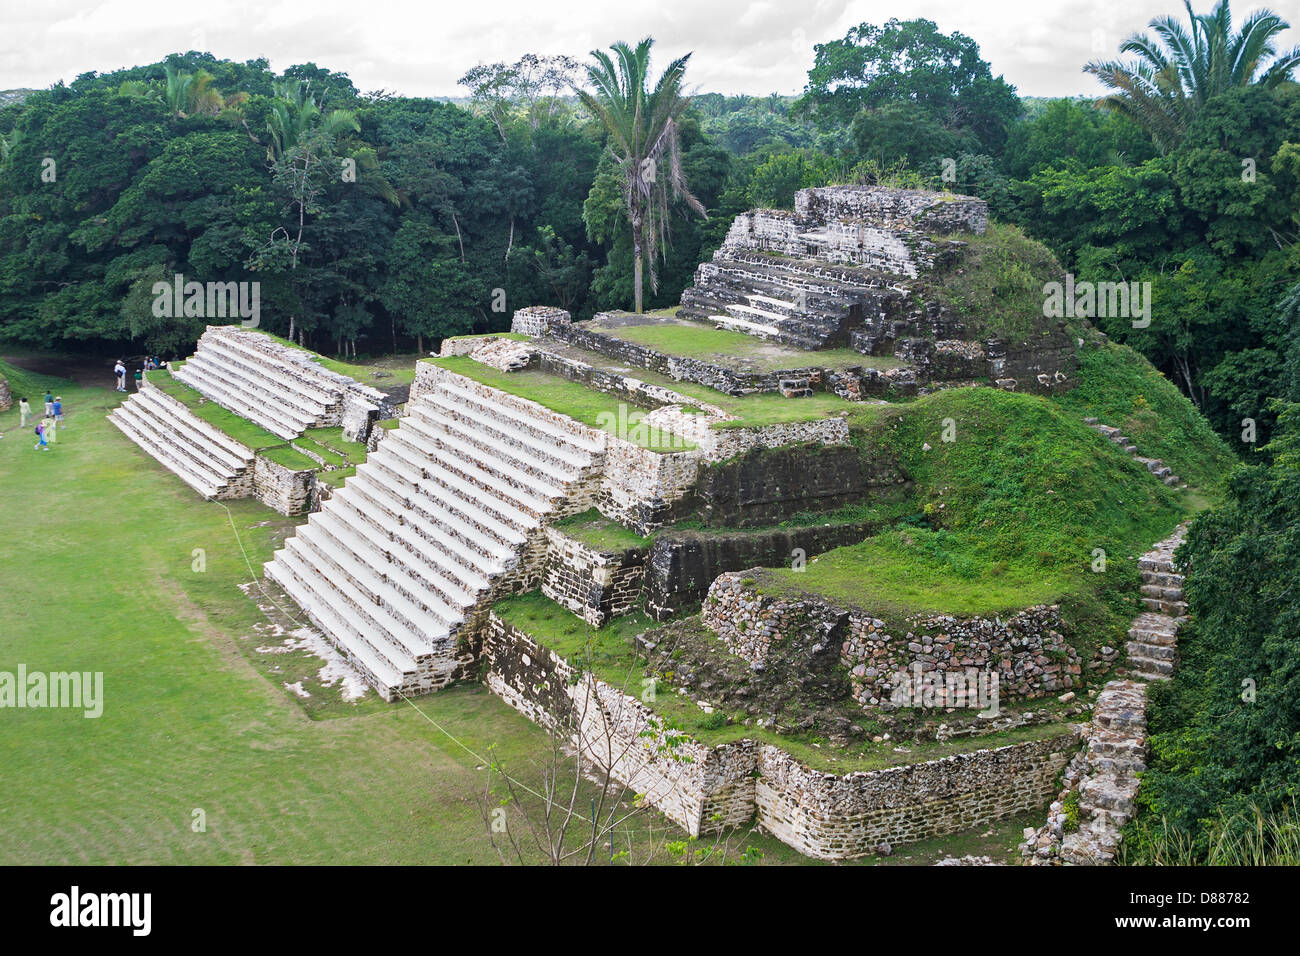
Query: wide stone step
(271, 383)
(504, 509)
(159, 451)
(1149, 667)
(306, 380)
(566, 456)
(502, 460)
(425, 574)
(747, 326)
(345, 629)
(415, 597)
(1162, 579)
(1157, 652)
(524, 416)
(462, 564)
(255, 392)
(219, 446)
(465, 510)
(526, 499)
(390, 615)
(200, 379)
(432, 521)
(437, 513)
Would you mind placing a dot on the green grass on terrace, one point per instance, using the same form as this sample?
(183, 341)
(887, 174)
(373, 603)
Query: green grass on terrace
(237, 427)
(587, 405)
(398, 369)
(289, 457)
(609, 653)
(1012, 512)
(595, 530)
(735, 350)
(1121, 388)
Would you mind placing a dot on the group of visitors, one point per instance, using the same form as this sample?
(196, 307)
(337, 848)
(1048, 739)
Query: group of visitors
(47, 429)
(148, 364)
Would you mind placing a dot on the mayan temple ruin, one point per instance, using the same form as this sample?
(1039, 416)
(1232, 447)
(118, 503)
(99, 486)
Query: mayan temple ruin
(709, 433)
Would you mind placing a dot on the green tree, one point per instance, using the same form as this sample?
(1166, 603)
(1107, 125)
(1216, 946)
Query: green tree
(910, 63)
(644, 142)
(1179, 70)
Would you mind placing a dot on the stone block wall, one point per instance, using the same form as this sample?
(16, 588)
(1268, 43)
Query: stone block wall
(766, 486)
(682, 565)
(6, 398)
(934, 212)
(1027, 650)
(823, 815)
(688, 782)
(537, 320)
(834, 817)
(595, 585)
(285, 490)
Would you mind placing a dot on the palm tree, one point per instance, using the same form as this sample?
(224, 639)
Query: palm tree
(295, 113)
(192, 94)
(1178, 71)
(644, 142)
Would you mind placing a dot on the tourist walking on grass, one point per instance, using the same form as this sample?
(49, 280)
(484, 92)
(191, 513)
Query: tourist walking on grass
(139, 377)
(49, 404)
(40, 439)
(58, 410)
(24, 412)
(119, 370)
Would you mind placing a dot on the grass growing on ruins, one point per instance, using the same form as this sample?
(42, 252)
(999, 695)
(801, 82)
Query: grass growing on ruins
(1013, 511)
(382, 372)
(595, 530)
(998, 281)
(1118, 386)
(609, 653)
(99, 558)
(247, 433)
(567, 397)
(733, 349)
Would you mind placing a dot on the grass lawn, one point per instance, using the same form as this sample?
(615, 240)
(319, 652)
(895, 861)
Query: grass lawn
(99, 573)
(587, 405)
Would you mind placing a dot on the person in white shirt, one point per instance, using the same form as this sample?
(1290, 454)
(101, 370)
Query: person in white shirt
(120, 371)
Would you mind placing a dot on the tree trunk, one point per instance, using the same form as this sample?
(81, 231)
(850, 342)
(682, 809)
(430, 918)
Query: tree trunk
(291, 328)
(510, 245)
(459, 240)
(419, 342)
(636, 261)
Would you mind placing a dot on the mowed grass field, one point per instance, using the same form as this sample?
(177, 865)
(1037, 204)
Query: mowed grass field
(96, 573)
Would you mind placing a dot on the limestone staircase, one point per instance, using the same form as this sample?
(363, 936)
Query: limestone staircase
(1153, 637)
(1153, 465)
(449, 502)
(264, 382)
(200, 455)
(1115, 754)
(803, 303)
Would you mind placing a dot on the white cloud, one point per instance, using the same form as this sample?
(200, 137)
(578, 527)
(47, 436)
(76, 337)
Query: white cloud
(421, 48)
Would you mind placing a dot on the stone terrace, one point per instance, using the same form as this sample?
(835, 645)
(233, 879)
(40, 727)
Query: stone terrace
(450, 503)
(277, 386)
(201, 455)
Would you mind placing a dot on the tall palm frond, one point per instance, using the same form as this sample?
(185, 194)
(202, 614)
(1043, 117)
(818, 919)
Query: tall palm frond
(1183, 67)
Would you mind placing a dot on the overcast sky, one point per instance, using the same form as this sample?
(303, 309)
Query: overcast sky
(421, 48)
